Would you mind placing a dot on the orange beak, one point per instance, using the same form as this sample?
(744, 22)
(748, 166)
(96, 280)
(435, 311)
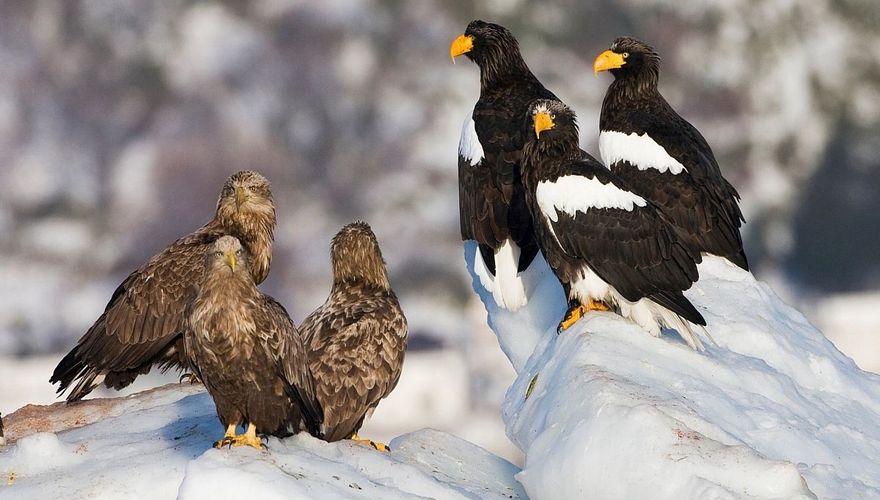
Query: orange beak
(461, 45)
(608, 60)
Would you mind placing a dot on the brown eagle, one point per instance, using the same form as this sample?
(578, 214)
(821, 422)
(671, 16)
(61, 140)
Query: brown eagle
(248, 353)
(142, 324)
(356, 340)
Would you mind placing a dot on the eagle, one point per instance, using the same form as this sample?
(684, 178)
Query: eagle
(142, 324)
(356, 340)
(609, 247)
(244, 347)
(662, 156)
(492, 204)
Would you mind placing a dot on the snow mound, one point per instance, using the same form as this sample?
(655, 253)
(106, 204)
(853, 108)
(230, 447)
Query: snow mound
(160, 447)
(770, 410)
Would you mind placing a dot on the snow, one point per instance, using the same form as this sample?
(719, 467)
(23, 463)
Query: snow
(771, 410)
(157, 444)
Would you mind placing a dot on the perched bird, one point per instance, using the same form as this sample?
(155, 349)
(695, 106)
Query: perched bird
(142, 324)
(356, 340)
(246, 350)
(491, 200)
(609, 247)
(662, 156)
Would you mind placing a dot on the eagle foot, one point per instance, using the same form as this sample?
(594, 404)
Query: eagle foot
(573, 314)
(597, 305)
(192, 378)
(368, 442)
(249, 438)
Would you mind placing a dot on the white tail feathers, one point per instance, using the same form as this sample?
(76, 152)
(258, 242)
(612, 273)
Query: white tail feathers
(506, 286)
(653, 317)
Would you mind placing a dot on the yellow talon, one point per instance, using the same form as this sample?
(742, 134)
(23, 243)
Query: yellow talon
(249, 438)
(571, 318)
(369, 442)
(597, 305)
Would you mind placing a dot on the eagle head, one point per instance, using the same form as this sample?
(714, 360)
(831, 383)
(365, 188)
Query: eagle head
(356, 256)
(550, 123)
(492, 47)
(628, 57)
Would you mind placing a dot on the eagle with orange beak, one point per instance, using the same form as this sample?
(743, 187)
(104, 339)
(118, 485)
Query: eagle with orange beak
(662, 156)
(491, 199)
(610, 248)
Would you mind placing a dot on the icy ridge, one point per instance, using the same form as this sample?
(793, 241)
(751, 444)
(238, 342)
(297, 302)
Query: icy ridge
(771, 410)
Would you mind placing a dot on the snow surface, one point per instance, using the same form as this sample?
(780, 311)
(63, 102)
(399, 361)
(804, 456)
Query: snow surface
(157, 444)
(604, 410)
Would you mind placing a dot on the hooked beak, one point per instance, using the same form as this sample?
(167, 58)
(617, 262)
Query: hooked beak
(230, 261)
(542, 122)
(241, 196)
(608, 60)
(461, 45)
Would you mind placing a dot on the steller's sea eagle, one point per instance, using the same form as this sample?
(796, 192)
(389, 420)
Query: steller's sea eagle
(491, 199)
(609, 247)
(663, 157)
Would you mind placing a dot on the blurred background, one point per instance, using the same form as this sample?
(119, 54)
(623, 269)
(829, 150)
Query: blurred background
(120, 119)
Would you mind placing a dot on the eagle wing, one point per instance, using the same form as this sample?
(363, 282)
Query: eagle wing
(482, 208)
(142, 323)
(284, 345)
(620, 235)
(356, 360)
(700, 199)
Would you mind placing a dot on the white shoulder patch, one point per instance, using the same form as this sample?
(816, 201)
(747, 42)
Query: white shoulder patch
(469, 146)
(640, 150)
(573, 193)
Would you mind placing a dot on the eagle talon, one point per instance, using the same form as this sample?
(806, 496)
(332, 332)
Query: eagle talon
(369, 442)
(192, 378)
(571, 317)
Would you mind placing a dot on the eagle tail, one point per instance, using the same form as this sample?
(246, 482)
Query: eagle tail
(70, 370)
(680, 315)
(506, 286)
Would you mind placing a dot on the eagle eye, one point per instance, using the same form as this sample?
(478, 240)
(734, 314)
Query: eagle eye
(625, 55)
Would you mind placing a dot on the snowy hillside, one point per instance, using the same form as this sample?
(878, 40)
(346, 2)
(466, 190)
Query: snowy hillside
(771, 410)
(157, 444)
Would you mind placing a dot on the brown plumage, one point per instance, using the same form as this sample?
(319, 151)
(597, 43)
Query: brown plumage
(141, 325)
(356, 340)
(246, 350)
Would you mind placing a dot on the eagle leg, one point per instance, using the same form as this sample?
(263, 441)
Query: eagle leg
(249, 438)
(368, 442)
(228, 438)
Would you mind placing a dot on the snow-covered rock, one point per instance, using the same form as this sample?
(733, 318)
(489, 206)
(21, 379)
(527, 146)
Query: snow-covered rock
(157, 444)
(770, 410)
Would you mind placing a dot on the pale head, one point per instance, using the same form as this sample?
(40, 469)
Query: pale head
(227, 255)
(246, 202)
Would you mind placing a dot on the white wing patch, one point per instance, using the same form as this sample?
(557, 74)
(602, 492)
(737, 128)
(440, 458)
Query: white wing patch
(640, 150)
(573, 193)
(469, 146)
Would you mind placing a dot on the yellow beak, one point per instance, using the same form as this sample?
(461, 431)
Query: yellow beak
(461, 45)
(542, 122)
(241, 196)
(608, 60)
(230, 260)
